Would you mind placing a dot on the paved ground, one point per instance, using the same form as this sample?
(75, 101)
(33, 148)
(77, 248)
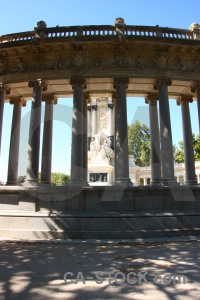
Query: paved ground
(30, 270)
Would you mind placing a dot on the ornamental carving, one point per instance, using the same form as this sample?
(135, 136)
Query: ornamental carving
(162, 81)
(184, 99)
(98, 62)
(151, 98)
(121, 80)
(38, 83)
(18, 100)
(120, 57)
(78, 60)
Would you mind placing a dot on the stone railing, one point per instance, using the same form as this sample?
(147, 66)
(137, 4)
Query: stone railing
(96, 30)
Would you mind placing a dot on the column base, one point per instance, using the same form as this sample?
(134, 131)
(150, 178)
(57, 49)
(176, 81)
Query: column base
(11, 183)
(190, 182)
(169, 182)
(77, 183)
(31, 183)
(156, 182)
(126, 182)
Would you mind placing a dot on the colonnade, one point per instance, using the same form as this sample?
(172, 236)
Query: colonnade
(162, 164)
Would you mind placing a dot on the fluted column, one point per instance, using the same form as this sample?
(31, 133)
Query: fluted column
(13, 160)
(3, 90)
(121, 136)
(196, 88)
(190, 177)
(49, 100)
(111, 124)
(77, 173)
(151, 99)
(34, 132)
(167, 160)
(86, 100)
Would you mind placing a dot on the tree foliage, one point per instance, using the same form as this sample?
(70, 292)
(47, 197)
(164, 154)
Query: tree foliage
(139, 143)
(179, 151)
(58, 179)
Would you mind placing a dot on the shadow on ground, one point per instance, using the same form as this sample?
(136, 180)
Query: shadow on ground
(36, 270)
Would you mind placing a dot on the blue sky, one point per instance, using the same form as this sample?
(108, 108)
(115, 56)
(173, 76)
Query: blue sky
(21, 15)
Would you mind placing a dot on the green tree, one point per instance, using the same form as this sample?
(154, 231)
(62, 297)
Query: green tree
(56, 178)
(179, 151)
(139, 143)
(59, 178)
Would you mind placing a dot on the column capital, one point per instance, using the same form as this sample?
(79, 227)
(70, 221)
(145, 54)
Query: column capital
(51, 98)
(194, 86)
(94, 107)
(86, 97)
(151, 98)
(38, 83)
(19, 100)
(78, 81)
(184, 98)
(4, 88)
(118, 80)
(161, 81)
(114, 96)
(110, 105)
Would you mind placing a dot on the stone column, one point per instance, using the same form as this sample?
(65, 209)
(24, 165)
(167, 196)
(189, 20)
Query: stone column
(121, 136)
(34, 133)
(190, 177)
(86, 100)
(110, 124)
(94, 120)
(151, 99)
(77, 152)
(50, 100)
(167, 160)
(89, 124)
(196, 88)
(3, 90)
(13, 160)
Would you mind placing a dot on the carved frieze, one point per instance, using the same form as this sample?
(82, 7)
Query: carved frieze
(78, 60)
(120, 57)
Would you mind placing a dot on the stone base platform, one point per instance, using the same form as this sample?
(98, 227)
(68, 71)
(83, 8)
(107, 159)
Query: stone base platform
(48, 212)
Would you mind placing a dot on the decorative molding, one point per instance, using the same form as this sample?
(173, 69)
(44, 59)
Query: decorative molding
(183, 99)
